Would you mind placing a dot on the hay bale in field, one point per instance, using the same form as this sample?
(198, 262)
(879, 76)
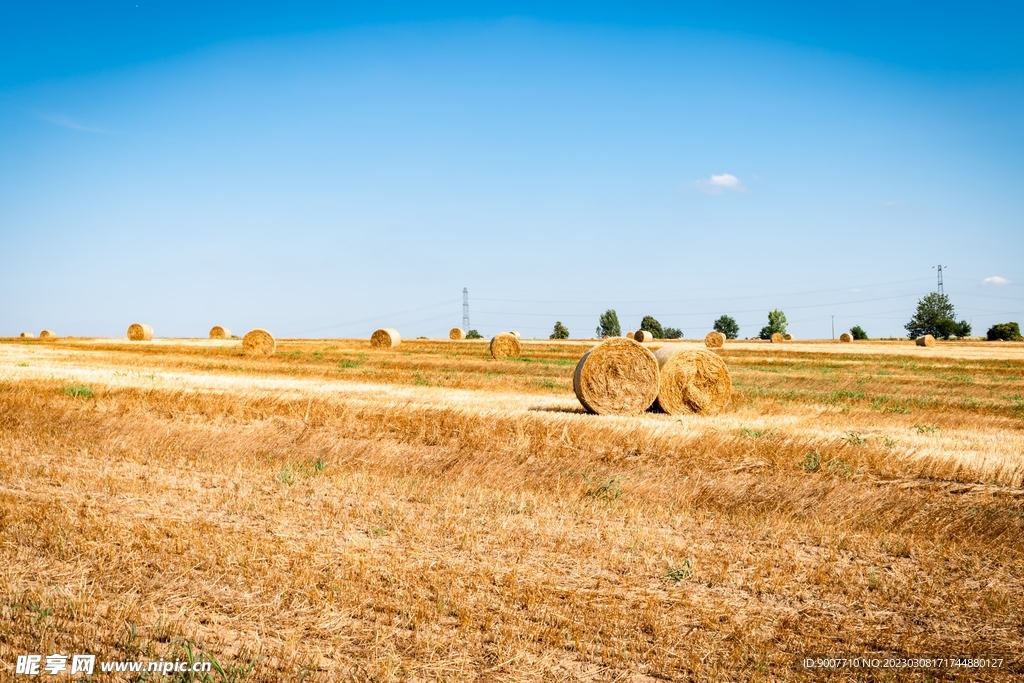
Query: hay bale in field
(258, 343)
(505, 344)
(926, 340)
(692, 381)
(385, 338)
(787, 337)
(617, 377)
(140, 332)
(516, 335)
(27, 335)
(47, 334)
(629, 335)
(218, 332)
(714, 340)
(777, 338)
(643, 336)
(456, 333)
(846, 337)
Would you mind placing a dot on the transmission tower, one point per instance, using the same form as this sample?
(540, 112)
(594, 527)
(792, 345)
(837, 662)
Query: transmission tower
(465, 309)
(940, 276)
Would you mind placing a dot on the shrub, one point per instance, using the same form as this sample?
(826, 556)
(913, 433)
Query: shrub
(858, 332)
(560, 331)
(473, 334)
(1005, 332)
(727, 325)
(673, 333)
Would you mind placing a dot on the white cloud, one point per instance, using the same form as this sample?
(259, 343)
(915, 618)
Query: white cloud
(68, 122)
(890, 204)
(717, 184)
(995, 280)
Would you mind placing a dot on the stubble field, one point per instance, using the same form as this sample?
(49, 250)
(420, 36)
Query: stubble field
(428, 513)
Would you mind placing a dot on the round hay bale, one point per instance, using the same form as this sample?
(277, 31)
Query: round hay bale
(27, 335)
(643, 336)
(629, 335)
(515, 334)
(846, 337)
(787, 337)
(692, 381)
(385, 338)
(777, 338)
(505, 344)
(456, 333)
(714, 340)
(218, 332)
(47, 334)
(258, 343)
(926, 340)
(617, 377)
(140, 332)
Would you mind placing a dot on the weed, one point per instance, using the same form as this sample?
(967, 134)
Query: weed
(348, 364)
(680, 573)
(888, 443)
(609, 490)
(811, 462)
(758, 433)
(926, 429)
(78, 391)
(22, 365)
(855, 439)
(419, 380)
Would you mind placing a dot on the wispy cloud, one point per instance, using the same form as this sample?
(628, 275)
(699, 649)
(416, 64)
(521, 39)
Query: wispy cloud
(68, 122)
(995, 280)
(890, 204)
(717, 184)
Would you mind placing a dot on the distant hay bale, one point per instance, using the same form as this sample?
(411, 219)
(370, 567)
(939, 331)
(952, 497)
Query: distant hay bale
(457, 333)
(777, 338)
(258, 343)
(515, 334)
(140, 332)
(926, 340)
(629, 335)
(27, 335)
(47, 334)
(385, 338)
(787, 337)
(714, 340)
(692, 381)
(617, 377)
(504, 345)
(218, 332)
(643, 336)
(846, 337)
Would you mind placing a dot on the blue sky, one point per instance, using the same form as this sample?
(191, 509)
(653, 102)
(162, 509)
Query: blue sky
(323, 171)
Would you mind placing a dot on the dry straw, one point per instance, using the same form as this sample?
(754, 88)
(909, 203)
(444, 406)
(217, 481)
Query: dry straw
(643, 336)
(456, 333)
(692, 381)
(385, 338)
(714, 340)
(787, 337)
(629, 335)
(617, 377)
(777, 338)
(218, 332)
(258, 343)
(47, 334)
(505, 344)
(926, 340)
(27, 335)
(846, 337)
(140, 332)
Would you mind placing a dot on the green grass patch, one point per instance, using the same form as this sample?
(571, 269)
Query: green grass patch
(78, 391)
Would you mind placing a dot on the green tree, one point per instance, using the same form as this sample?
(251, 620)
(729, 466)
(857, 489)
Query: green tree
(1004, 331)
(727, 326)
(673, 333)
(560, 331)
(608, 325)
(473, 334)
(650, 324)
(776, 323)
(935, 316)
(857, 332)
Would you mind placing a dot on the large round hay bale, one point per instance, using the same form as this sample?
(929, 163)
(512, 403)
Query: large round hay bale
(777, 338)
(926, 340)
(714, 340)
(504, 345)
(385, 338)
(218, 332)
(617, 377)
(692, 381)
(258, 343)
(629, 335)
(456, 333)
(47, 334)
(27, 335)
(140, 332)
(787, 337)
(643, 336)
(846, 337)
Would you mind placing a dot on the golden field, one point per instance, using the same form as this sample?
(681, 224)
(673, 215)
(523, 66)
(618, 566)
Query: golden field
(428, 513)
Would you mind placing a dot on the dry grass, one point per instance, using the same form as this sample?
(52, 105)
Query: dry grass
(336, 512)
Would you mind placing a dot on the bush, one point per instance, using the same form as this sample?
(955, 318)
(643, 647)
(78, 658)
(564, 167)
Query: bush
(776, 323)
(608, 325)
(650, 324)
(727, 326)
(473, 334)
(560, 331)
(1004, 332)
(857, 332)
(673, 333)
